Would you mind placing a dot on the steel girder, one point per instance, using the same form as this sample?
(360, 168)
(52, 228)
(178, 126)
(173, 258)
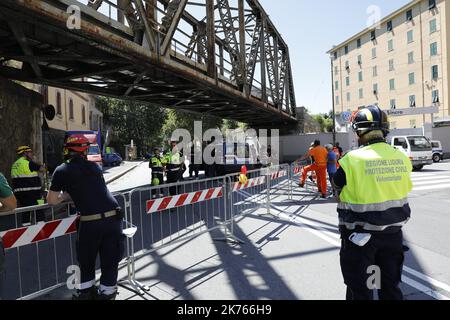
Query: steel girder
(240, 29)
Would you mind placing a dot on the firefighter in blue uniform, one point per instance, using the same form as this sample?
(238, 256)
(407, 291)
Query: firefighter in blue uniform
(373, 184)
(100, 227)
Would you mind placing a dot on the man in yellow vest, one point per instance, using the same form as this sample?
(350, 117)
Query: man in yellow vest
(174, 162)
(26, 182)
(373, 184)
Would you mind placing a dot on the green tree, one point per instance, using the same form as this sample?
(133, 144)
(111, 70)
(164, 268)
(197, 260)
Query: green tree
(132, 120)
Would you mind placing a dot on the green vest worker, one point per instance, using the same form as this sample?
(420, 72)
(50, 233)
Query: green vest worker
(373, 183)
(26, 182)
(157, 163)
(174, 163)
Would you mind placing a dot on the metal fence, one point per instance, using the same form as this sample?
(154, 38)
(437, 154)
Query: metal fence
(38, 256)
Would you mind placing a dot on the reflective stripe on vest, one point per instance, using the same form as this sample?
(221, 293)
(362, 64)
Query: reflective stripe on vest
(21, 169)
(362, 208)
(370, 227)
(378, 183)
(23, 179)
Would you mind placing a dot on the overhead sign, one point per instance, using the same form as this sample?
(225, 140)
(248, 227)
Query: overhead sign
(412, 111)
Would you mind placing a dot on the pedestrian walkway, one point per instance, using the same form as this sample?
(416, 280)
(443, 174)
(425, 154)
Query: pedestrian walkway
(424, 181)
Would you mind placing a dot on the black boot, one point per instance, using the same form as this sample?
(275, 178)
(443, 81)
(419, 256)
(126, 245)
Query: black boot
(103, 296)
(86, 294)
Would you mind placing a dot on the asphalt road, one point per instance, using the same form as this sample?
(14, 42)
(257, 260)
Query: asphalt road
(291, 254)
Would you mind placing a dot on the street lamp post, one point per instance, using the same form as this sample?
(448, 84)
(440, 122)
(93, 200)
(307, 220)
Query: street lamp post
(333, 101)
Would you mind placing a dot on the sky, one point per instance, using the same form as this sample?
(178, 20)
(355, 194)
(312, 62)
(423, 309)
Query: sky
(311, 28)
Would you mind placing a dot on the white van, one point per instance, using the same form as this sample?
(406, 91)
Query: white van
(417, 148)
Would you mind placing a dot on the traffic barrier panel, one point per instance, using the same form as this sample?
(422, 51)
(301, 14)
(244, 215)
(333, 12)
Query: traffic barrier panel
(170, 213)
(37, 256)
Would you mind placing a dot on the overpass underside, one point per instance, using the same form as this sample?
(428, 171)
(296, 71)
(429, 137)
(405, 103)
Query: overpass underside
(155, 51)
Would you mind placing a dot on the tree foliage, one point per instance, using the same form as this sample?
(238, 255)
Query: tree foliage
(132, 120)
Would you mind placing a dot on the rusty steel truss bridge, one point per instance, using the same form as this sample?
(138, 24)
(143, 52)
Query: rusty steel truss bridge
(216, 57)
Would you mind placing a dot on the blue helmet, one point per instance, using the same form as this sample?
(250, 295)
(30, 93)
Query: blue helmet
(369, 119)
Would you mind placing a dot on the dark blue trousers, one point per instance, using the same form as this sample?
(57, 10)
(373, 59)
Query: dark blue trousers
(384, 251)
(103, 238)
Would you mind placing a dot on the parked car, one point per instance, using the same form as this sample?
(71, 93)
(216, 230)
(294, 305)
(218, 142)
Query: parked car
(438, 152)
(417, 148)
(112, 160)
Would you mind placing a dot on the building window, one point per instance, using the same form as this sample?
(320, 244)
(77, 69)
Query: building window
(389, 25)
(410, 36)
(435, 96)
(347, 66)
(391, 65)
(374, 53)
(90, 116)
(411, 57)
(360, 59)
(375, 88)
(336, 85)
(431, 4)
(335, 54)
(83, 115)
(58, 103)
(434, 72)
(347, 81)
(337, 100)
(433, 26)
(348, 96)
(393, 125)
(358, 43)
(411, 78)
(336, 71)
(373, 35)
(412, 101)
(361, 93)
(391, 45)
(375, 71)
(393, 104)
(409, 15)
(71, 116)
(434, 49)
(412, 123)
(392, 84)
(360, 76)
(346, 50)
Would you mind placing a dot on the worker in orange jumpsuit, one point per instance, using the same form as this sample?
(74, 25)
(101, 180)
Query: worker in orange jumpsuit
(320, 155)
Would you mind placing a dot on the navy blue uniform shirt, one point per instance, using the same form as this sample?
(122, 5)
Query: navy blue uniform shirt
(84, 181)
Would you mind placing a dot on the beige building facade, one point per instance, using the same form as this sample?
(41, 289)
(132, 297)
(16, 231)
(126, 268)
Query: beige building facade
(73, 109)
(401, 63)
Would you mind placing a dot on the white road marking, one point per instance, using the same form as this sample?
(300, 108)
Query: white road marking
(328, 237)
(431, 178)
(442, 186)
(429, 182)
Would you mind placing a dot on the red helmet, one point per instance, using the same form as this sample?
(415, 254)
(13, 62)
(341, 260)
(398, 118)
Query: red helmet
(77, 143)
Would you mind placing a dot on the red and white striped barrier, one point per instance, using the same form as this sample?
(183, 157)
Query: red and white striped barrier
(297, 170)
(182, 200)
(250, 183)
(39, 232)
(279, 174)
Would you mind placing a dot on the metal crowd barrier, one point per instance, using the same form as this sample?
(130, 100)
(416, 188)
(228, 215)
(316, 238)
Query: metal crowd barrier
(37, 256)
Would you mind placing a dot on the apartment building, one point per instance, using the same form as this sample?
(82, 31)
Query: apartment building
(401, 63)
